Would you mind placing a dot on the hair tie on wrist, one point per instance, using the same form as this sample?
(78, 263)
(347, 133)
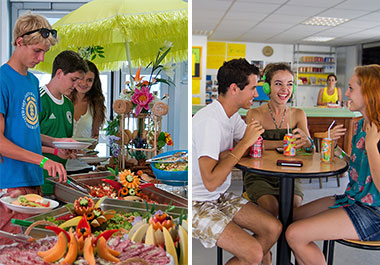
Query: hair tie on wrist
(55, 151)
(43, 162)
(234, 156)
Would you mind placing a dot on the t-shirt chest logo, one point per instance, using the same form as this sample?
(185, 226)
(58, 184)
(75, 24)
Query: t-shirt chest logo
(69, 116)
(29, 110)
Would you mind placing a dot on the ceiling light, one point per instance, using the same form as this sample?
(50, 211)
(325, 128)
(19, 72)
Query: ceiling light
(325, 21)
(318, 38)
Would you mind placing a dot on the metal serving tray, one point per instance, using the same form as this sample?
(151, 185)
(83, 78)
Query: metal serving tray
(107, 204)
(66, 193)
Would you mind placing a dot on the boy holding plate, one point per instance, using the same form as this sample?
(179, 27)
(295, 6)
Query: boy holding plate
(57, 115)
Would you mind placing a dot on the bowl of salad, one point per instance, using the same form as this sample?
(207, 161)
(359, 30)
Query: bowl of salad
(171, 169)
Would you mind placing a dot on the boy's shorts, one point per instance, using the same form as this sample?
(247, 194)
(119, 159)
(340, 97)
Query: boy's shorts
(211, 217)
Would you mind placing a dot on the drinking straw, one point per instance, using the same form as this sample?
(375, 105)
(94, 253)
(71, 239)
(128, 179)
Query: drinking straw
(330, 128)
(288, 127)
(290, 119)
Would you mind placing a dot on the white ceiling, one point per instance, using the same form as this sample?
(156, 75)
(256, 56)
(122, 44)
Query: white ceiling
(279, 21)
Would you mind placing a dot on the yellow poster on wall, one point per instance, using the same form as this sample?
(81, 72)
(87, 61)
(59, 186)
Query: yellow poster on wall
(236, 50)
(196, 101)
(216, 48)
(215, 61)
(196, 86)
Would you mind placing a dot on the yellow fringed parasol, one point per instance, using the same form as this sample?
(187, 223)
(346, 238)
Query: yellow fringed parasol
(129, 30)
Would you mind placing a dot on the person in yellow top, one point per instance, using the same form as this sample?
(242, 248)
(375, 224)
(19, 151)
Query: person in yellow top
(331, 93)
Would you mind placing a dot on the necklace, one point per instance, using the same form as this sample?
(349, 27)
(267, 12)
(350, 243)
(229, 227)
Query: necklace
(274, 120)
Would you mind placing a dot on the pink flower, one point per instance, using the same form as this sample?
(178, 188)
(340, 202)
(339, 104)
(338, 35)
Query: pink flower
(354, 175)
(142, 98)
(353, 158)
(360, 144)
(367, 199)
(368, 179)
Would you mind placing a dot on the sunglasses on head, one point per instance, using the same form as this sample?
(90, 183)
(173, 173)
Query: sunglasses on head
(44, 32)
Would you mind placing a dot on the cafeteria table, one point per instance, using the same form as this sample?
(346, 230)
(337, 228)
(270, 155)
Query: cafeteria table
(312, 167)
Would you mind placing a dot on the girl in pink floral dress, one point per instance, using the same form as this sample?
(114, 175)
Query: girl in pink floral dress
(356, 213)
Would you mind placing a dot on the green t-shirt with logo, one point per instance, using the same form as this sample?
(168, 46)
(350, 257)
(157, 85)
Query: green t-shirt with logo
(56, 120)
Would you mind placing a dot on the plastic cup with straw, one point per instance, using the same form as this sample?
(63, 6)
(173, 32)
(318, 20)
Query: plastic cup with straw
(327, 146)
(289, 145)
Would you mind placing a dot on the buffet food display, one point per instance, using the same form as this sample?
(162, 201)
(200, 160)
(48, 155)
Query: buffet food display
(150, 233)
(115, 246)
(108, 219)
(127, 189)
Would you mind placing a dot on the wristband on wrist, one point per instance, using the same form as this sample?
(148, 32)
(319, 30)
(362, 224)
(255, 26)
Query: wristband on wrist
(43, 162)
(309, 149)
(55, 151)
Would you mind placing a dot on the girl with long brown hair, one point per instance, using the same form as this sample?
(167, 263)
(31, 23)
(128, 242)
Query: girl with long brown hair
(89, 112)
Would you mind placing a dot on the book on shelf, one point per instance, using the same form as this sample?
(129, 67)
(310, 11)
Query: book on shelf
(304, 80)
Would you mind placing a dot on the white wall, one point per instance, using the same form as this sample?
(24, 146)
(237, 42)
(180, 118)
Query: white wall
(281, 53)
(347, 58)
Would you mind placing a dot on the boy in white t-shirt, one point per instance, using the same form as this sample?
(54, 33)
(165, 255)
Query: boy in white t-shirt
(220, 217)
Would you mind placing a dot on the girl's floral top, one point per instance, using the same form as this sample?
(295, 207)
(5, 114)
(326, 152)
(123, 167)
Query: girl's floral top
(361, 187)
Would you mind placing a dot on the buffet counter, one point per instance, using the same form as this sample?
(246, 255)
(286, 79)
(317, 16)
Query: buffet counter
(320, 118)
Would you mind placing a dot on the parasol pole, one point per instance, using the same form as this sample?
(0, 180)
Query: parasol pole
(129, 61)
(122, 127)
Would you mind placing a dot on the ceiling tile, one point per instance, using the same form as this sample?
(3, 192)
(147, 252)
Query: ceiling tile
(295, 10)
(319, 3)
(249, 6)
(343, 13)
(255, 20)
(285, 19)
(367, 5)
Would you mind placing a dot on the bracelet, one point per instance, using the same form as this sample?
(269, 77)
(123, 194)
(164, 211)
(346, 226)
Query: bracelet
(234, 156)
(339, 152)
(43, 162)
(55, 151)
(309, 149)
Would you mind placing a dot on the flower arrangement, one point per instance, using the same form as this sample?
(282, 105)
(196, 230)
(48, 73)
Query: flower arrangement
(138, 98)
(138, 90)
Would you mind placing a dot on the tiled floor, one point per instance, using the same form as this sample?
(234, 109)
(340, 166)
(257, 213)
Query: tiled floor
(343, 255)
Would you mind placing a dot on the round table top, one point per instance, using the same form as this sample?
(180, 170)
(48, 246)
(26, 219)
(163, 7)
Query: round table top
(312, 165)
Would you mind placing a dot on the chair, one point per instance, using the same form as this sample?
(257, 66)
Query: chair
(317, 137)
(219, 256)
(328, 246)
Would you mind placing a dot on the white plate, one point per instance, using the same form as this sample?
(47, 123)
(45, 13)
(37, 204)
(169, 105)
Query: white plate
(87, 140)
(93, 159)
(7, 201)
(72, 145)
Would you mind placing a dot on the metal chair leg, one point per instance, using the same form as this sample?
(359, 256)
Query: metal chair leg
(219, 256)
(338, 179)
(330, 258)
(325, 248)
(320, 183)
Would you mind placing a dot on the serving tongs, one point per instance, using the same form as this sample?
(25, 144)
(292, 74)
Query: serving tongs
(164, 159)
(16, 237)
(73, 183)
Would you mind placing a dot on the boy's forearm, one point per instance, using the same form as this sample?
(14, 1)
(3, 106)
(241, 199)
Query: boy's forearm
(10, 150)
(47, 140)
